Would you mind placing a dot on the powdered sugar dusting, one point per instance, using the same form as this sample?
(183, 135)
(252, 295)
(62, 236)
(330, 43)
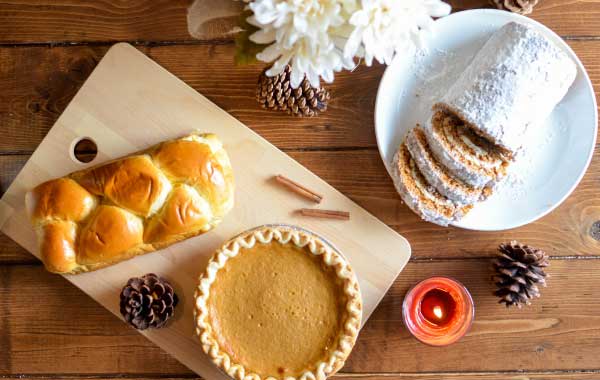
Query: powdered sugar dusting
(513, 82)
(518, 184)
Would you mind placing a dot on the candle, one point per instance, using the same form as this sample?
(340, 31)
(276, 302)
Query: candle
(438, 307)
(438, 311)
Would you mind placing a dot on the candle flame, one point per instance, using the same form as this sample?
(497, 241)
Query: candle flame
(437, 311)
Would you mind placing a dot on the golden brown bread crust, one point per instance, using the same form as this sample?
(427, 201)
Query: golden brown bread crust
(133, 183)
(110, 233)
(184, 212)
(137, 204)
(183, 161)
(57, 246)
(62, 199)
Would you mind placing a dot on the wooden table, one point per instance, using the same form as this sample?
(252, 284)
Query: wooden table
(50, 329)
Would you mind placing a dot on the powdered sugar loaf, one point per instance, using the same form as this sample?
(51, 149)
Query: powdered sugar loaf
(514, 82)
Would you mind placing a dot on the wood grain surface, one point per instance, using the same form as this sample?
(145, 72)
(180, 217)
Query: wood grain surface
(333, 146)
(38, 83)
(514, 375)
(164, 21)
(51, 330)
(130, 103)
(553, 334)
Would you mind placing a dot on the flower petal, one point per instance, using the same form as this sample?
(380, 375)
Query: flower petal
(270, 53)
(263, 36)
(296, 77)
(353, 43)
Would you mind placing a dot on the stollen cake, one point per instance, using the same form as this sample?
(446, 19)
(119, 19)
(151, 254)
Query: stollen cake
(514, 82)
(438, 175)
(421, 197)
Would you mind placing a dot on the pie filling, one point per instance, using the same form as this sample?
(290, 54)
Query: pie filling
(277, 309)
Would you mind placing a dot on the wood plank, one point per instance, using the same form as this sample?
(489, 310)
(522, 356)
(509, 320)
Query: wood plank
(515, 375)
(66, 326)
(558, 332)
(39, 82)
(571, 375)
(567, 18)
(11, 252)
(567, 231)
(23, 21)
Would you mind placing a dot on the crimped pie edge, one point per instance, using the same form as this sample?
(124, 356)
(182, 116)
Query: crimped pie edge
(285, 235)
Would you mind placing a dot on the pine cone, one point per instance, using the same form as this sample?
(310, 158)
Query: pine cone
(147, 301)
(523, 7)
(520, 270)
(276, 93)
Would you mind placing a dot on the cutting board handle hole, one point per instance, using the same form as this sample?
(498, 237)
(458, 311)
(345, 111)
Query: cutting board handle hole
(83, 150)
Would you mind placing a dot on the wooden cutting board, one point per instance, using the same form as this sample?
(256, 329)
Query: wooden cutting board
(129, 103)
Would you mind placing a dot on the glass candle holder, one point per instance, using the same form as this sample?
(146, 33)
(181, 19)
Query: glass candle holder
(438, 311)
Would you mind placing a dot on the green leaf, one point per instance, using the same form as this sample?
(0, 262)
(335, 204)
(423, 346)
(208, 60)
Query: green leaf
(246, 50)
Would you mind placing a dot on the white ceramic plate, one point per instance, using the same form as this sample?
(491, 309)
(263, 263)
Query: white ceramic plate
(561, 149)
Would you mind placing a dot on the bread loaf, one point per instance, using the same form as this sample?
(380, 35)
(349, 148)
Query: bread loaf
(137, 204)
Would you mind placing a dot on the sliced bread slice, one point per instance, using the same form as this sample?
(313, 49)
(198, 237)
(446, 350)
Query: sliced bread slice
(467, 156)
(437, 175)
(419, 196)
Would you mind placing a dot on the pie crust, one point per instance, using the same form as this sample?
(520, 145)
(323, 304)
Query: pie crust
(342, 278)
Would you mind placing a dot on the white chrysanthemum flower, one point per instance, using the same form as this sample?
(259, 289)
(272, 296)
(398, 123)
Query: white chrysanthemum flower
(383, 28)
(301, 33)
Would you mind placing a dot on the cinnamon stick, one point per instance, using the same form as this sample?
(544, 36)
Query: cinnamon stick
(299, 189)
(328, 214)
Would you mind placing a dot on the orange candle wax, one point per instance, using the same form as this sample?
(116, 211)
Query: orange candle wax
(438, 311)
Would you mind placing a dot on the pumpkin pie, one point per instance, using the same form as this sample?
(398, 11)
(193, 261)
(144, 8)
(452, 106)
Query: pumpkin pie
(278, 302)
